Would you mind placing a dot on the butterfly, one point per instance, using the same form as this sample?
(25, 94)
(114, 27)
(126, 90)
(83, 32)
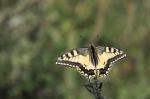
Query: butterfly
(91, 61)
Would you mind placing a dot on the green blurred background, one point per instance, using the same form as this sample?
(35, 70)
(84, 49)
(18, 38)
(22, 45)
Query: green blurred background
(33, 33)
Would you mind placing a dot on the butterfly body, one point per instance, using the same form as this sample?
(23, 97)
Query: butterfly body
(91, 61)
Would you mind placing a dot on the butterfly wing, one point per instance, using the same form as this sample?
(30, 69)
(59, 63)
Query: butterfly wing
(79, 58)
(107, 56)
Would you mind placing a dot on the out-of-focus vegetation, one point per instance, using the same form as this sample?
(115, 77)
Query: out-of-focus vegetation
(34, 32)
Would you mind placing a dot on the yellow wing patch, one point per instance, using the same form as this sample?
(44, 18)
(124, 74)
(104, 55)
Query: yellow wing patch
(74, 56)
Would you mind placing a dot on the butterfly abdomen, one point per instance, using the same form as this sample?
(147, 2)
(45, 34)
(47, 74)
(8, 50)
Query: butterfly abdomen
(93, 55)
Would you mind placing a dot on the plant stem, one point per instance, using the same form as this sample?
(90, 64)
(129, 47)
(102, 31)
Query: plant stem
(95, 88)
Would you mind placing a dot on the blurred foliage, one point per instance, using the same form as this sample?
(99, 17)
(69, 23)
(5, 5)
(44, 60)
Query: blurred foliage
(34, 32)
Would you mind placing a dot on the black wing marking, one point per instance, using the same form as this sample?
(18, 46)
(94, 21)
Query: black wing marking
(81, 68)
